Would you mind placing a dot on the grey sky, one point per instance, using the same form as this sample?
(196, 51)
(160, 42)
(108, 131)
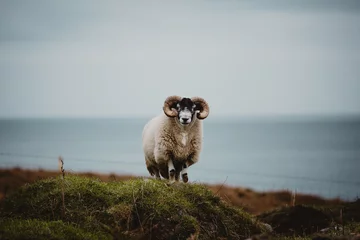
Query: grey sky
(123, 58)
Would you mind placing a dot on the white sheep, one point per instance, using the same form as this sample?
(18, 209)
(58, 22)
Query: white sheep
(172, 141)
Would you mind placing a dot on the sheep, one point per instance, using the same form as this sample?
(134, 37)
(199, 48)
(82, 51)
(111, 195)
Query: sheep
(172, 141)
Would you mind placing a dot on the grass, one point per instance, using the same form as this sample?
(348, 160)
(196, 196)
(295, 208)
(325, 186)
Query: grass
(122, 209)
(249, 200)
(38, 230)
(260, 202)
(45, 205)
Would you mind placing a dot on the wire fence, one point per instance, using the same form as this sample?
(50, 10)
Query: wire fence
(207, 169)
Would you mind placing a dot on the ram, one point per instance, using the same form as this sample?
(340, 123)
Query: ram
(172, 141)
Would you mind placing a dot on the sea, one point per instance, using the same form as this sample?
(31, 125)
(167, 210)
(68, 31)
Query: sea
(313, 156)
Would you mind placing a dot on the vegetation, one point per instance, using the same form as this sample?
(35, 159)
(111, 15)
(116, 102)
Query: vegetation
(37, 229)
(305, 221)
(125, 209)
(91, 206)
(260, 202)
(251, 201)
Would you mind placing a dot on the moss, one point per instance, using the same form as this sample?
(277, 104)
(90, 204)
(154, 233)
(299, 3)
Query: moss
(132, 208)
(36, 229)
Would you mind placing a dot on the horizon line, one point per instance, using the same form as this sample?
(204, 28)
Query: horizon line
(216, 117)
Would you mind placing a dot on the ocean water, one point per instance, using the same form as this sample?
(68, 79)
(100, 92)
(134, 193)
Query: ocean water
(313, 156)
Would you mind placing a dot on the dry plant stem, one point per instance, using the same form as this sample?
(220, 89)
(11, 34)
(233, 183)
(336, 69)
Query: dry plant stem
(207, 232)
(61, 162)
(221, 186)
(342, 221)
(51, 206)
(137, 213)
(293, 198)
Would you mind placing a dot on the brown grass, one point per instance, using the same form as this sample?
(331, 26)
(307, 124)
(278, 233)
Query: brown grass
(259, 202)
(251, 201)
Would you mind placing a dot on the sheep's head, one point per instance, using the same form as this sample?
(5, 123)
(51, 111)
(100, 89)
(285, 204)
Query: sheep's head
(185, 108)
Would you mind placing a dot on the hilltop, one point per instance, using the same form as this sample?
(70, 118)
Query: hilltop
(86, 207)
(251, 201)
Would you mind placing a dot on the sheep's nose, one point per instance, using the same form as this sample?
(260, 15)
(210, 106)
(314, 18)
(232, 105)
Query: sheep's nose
(184, 119)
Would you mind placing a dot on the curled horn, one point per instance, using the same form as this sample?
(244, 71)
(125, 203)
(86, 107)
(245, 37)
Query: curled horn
(169, 104)
(201, 105)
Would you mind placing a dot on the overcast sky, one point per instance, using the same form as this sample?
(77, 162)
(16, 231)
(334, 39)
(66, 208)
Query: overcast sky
(123, 58)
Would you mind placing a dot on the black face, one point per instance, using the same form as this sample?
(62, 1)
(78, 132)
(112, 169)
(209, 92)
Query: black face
(186, 109)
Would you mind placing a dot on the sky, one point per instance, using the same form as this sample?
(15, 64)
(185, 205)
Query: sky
(123, 58)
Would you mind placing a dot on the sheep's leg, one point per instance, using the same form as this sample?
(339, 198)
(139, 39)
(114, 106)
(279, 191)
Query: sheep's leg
(186, 165)
(184, 174)
(171, 171)
(177, 174)
(178, 168)
(157, 174)
(154, 171)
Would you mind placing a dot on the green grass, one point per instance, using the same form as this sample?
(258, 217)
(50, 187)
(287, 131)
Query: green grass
(127, 209)
(37, 229)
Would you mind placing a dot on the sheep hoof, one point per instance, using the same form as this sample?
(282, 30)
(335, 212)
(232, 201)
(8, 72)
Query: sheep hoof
(171, 182)
(185, 177)
(172, 174)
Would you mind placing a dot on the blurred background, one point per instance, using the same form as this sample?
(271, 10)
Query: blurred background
(81, 78)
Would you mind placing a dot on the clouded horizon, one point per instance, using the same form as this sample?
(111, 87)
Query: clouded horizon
(123, 58)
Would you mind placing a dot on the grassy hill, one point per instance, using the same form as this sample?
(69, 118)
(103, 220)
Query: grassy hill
(251, 201)
(80, 207)
(43, 205)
